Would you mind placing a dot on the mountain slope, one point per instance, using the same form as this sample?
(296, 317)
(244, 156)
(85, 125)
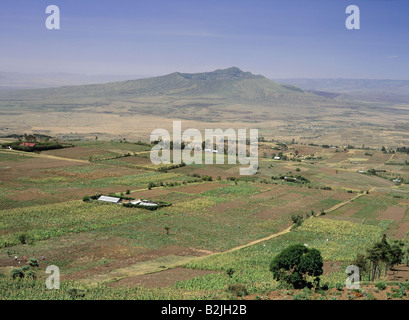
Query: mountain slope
(232, 84)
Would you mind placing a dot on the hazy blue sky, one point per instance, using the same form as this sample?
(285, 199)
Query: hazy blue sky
(279, 39)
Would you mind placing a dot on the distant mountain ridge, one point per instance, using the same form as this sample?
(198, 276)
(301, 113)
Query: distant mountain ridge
(16, 80)
(396, 91)
(231, 83)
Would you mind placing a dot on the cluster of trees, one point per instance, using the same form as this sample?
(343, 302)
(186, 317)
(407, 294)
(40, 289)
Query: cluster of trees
(403, 150)
(290, 178)
(380, 258)
(170, 167)
(301, 266)
(171, 184)
(26, 271)
(39, 146)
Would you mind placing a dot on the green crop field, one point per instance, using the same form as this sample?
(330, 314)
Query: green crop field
(109, 251)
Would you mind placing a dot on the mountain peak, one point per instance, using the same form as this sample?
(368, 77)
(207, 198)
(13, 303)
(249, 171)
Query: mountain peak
(232, 73)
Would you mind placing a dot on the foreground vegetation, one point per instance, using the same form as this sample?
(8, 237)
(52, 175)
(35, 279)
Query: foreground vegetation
(328, 205)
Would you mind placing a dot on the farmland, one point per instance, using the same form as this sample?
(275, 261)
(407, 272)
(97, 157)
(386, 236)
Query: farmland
(110, 251)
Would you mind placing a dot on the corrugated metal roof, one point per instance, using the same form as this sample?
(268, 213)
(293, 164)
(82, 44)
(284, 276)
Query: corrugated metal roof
(27, 144)
(109, 199)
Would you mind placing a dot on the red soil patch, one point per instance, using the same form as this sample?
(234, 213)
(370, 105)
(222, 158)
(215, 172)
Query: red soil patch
(399, 273)
(331, 266)
(160, 279)
(227, 206)
(137, 160)
(305, 150)
(75, 152)
(292, 196)
(270, 194)
(402, 231)
(393, 213)
(268, 213)
(199, 188)
(149, 194)
(351, 212)
(27, 195)
(124, 259)
(30, 167)
(345, 294)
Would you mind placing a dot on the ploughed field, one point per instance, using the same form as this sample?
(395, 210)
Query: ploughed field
(183, 251)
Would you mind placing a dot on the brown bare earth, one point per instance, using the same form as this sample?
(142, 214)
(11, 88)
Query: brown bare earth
(393, 213)
(402, 230)
(276, 192)
(75, 152)
(351, 212)
(127, 260)
(268, 213)
(199, 188)
(227, 206)
(29, 168)
(160, 279)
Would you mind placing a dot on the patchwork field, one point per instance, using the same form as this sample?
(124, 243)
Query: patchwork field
(183, 251)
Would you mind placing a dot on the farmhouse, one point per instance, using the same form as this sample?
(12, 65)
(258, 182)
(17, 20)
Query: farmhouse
(211, 150)
(110, 199)
(146, 203)
(27, 144)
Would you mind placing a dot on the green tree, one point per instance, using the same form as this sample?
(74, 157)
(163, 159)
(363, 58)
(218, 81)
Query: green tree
(293, 264)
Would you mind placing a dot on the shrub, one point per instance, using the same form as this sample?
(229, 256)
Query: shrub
(33, 263)
(297, 219)
(31, 274)
(25, 268)
(381, 285)
(76, 293)
(238, 289)
(339, 286)
(23, 238)
(17, 273)
(230, 272)
(86, 199)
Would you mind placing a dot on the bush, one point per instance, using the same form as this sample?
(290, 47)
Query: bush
(25, 268)
(297, 219)
(230, 272)
(339, 286)
(23, 238)
(86, 199)
(31, 274)
(238, 289)
(17, 273)
(76, 293)
(381, 285)
(33, 263)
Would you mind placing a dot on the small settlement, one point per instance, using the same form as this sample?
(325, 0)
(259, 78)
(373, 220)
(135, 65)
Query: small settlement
(139, 202)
